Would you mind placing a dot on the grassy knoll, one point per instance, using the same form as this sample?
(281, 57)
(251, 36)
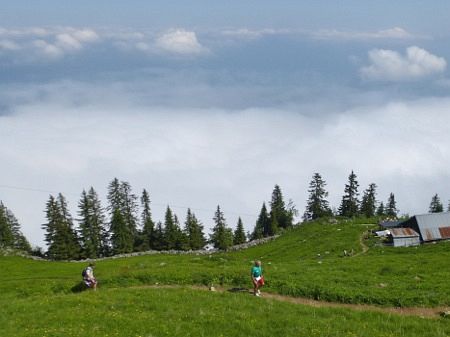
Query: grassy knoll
(307, 261)
(185, 312)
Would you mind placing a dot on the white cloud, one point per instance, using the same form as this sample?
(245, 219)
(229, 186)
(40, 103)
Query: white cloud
(47, 49)
(8, 45)
(31, 44)
(391, 33)
(245, 33)
(389, 65)
(204, 157)
(180, 41)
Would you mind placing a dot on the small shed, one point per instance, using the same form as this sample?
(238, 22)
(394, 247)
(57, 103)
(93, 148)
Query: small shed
(404, 237)
(431, 226)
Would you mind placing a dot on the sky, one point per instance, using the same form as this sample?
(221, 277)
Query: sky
(210, 103)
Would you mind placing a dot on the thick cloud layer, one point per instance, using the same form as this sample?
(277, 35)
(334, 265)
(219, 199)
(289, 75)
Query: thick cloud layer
(199, 158)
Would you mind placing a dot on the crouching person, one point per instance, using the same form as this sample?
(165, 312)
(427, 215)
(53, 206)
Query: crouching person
(88, 277)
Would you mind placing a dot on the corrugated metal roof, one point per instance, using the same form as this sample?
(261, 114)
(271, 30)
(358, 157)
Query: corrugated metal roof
(403, 233)
(434, 226)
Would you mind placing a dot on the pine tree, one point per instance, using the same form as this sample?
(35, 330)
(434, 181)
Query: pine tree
(262, 224)
(123, 218)
(222, 236)
(317, 205)
(391, 207)
(436, 205)
(350, 204)
(10, 233)
(239, 233)
(174, 237)
(380, 210)
(158, 239)
(92, 232)
(368, 203)
(6, 233)
(60, 234)
(194, 230)
(284, 215)
(148, 226)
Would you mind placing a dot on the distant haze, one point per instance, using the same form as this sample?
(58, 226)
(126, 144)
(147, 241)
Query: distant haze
(203, 112)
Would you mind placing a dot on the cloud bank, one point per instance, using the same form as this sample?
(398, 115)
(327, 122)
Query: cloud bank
(203, 157)
(389, 65)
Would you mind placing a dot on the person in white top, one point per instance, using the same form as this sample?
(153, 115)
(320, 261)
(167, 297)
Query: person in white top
(88, 277)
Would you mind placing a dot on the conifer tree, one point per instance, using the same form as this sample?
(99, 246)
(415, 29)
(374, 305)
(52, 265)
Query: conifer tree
(10, 233)
(158, 241)
(436, 205)
(123, 219)
(92, 232)
(391, 207)
(262, 224)
(239, 233)
(194, 230)
(380, 209)
(60, 234)
(222, 236)
(148, 226)
(368, 203)
(174, 238)
(284, 215)
(350, 204)
(317, 205)
(6, 232)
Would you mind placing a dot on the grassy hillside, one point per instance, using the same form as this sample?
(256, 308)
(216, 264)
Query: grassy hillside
(185, 312)
(43, 298)
(307, 261)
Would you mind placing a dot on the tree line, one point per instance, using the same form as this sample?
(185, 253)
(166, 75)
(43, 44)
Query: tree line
(126, 225)
(317, 205)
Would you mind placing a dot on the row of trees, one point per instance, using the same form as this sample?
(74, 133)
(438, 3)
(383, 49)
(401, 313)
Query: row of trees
(126, 225)
(10, 234)
(351, 205)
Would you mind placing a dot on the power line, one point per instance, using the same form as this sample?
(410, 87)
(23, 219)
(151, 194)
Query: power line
(29, 189)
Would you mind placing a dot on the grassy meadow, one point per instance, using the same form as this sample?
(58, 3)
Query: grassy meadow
(42, 298)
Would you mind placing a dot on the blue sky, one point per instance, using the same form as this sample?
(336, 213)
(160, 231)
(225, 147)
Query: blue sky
(208, 103)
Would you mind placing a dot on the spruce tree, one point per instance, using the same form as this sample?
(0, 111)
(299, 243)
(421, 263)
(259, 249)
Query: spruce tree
(350, 204)
(194, 230)
(368, 203)
(317, 205)
(92, 232)
(6, 233)
(262, 224)
(222, 236)
(284, 215)
(380, 210)
(123, 219)
(436, 205)
(391, 207)
(174, 237)
(60, 234)
(158, 239)
(148, 226)
(239, 233)
(10, 233)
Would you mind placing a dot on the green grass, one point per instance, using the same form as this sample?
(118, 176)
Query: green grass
(308, 261)
(42, 298)
(185, 312)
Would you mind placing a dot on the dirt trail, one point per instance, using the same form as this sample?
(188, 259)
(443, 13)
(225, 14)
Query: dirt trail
(412, 311)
